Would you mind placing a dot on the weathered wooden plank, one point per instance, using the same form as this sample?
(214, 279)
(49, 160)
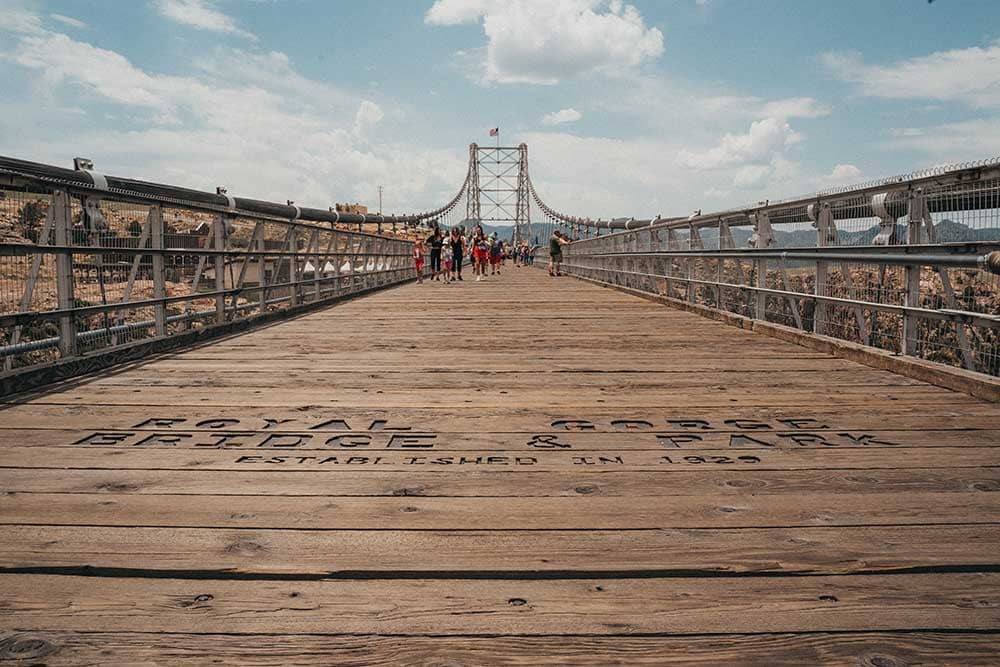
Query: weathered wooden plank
(709, 396)
(896, 415)
(441, 553)
(284, 438)
(857, 458)
(554, 513)
(498, 607)
(513, 381)
(484, 483)
(769, 650)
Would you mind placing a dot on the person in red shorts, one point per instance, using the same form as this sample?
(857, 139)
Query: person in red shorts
(496, 250)
(480, 253)
(418, 259)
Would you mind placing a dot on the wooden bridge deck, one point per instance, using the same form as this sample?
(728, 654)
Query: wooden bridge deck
(392, 480)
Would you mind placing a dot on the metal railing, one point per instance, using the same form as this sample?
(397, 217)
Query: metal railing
(92, 264)
(906, 265)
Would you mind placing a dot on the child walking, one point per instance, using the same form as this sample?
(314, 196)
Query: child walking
(447, 256)
(418, 259)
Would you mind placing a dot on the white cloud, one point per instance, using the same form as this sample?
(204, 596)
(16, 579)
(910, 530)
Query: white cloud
(845, 173)
(544, 42)
(756, 107)
(767, 178)
(455, 12)
(249, 121)
(68, 21)
(751, 176)
(367, 117)
(794, 107)
(951, 142)
(59, 58)
(596, 176)
(201, 15)
(970, 76)
(569, 115)
(20, 21)
(763, 140)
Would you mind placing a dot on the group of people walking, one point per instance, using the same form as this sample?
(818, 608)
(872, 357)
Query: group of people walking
(448, 251)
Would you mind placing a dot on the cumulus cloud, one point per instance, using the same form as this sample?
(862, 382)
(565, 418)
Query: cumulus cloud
(759, 144)
(455, 12)
(569, 115)
(604, 177)
(544, 42)
(970, 76)
(845, 173)
(201, 15)
(246, 120)
(59, 58)
(21, 21)
(367, 117)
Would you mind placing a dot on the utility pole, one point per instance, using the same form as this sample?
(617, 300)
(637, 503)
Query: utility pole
(380, 200)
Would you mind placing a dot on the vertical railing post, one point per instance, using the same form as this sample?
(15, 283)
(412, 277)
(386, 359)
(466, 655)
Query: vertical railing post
(911, 297)
(694, 243)
(258, 240)
(760, 301)
(823, 219)
(762, 238)
(338, 262)
(218, 245)
(62, 226)
(294, 266)
(723, 243)
(159, 268)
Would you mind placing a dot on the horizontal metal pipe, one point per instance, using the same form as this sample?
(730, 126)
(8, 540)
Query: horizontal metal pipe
(989, 262)
(14, 319)
(159, 192)
(979, 319)
(20, 249)
(84, 336)
(848, 203)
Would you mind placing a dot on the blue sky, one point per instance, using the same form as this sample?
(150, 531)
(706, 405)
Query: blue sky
(627, 108)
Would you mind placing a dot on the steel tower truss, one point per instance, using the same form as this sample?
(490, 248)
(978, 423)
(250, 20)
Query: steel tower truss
(498, 187)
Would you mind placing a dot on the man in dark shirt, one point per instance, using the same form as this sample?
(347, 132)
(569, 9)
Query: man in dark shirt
(435, 241)
(555, 252)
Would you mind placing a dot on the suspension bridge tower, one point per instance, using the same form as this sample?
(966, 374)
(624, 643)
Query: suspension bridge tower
(498, 187)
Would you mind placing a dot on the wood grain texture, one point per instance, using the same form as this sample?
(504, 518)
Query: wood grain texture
(488, 606)
(485, 484)
(519, 554)
(586, 478)
(865, 649)
(554, 513)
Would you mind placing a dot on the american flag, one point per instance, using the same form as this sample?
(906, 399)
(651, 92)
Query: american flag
(495, 131)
